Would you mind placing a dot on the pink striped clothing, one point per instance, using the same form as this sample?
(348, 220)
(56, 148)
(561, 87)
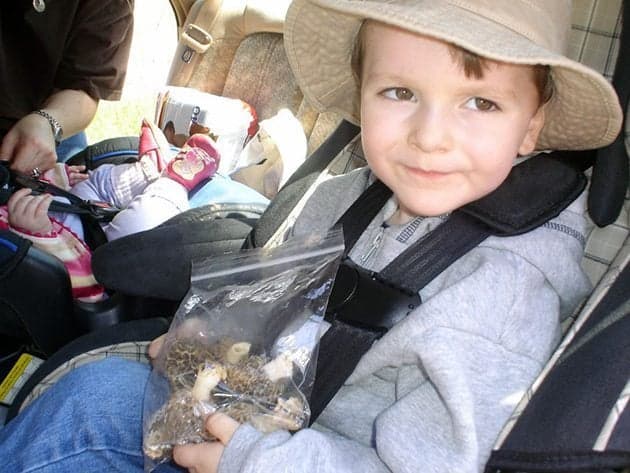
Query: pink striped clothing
(71, 250)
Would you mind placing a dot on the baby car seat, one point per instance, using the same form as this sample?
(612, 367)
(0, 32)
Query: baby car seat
(243, 58)
(35, 297)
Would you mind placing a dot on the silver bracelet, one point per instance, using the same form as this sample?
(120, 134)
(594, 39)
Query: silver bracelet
(54, 125)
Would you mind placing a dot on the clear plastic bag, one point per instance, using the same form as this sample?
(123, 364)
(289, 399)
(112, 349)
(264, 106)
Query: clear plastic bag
(243, 342)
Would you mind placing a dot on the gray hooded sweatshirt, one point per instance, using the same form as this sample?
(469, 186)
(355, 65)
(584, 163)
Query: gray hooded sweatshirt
(434, 392)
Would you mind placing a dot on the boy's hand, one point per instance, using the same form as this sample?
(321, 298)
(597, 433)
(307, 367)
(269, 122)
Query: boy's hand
(30, 212)
(155, 347)
(76, 174)
(205, 457)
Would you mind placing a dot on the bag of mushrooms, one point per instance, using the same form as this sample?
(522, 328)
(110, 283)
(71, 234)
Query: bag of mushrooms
(243, 342)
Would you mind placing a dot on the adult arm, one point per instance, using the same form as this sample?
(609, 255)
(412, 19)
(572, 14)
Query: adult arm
(88, 64)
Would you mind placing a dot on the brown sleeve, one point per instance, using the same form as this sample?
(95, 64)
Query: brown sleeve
(97, 49)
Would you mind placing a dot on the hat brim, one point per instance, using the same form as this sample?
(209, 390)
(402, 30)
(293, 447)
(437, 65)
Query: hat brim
(584, 112)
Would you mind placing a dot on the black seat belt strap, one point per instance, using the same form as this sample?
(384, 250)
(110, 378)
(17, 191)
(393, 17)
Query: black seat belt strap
(100, 211)
(299, 183)
(340, 349)
(91, 213)
(419, 264)
(352, 331)
(359, 215)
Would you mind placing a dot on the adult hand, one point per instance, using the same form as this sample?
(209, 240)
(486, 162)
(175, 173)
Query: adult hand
(29, 212)
(205, 457)
(30, 144)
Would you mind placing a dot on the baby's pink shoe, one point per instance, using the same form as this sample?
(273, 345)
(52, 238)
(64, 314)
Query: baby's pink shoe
(197, 161)
(153, 149)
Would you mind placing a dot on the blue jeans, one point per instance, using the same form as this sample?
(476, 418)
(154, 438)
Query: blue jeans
(89, 421)
(71, 146)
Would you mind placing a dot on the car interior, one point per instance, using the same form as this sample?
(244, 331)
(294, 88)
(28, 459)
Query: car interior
(234, 48)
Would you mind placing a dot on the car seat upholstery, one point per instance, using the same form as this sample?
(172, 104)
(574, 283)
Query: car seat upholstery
(21, 263)
(181, 9)
(244, 58)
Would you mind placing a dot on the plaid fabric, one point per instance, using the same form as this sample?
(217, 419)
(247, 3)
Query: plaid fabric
(134, 351)
(350, 158)
(602, 244)
(594, 38)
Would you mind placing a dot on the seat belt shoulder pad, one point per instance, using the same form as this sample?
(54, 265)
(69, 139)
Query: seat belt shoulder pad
(534, 192)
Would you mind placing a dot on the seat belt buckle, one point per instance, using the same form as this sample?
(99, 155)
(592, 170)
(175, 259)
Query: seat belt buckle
(196, 40)
(362, 300)
(101, 211)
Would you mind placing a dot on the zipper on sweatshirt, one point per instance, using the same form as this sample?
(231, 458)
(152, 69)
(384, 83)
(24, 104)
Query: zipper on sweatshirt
(376, 244)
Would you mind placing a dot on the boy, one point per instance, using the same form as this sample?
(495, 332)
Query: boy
(448, 94)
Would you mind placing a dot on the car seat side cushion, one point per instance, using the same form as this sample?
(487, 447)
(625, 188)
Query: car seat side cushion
(156, 263)
(609, 181)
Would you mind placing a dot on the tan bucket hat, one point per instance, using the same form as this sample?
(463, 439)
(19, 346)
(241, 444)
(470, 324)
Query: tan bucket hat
(319, 36)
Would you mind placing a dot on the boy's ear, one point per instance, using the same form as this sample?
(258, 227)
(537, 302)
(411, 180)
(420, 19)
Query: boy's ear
(533, 131)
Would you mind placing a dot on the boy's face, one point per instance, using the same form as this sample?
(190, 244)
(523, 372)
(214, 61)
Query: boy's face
(437, 138)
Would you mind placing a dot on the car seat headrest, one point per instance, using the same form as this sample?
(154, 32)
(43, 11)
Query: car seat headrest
(215, 28)
(235, 19)
(245, 17)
